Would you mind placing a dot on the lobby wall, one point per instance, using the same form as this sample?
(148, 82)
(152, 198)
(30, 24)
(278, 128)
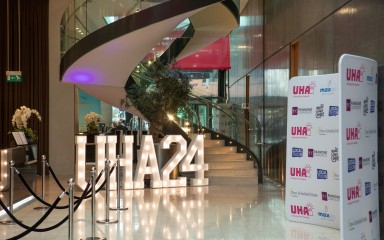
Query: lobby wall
(32, 60)
(61, 100)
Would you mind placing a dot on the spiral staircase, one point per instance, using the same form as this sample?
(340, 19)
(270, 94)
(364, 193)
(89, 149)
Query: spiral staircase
(101, 59)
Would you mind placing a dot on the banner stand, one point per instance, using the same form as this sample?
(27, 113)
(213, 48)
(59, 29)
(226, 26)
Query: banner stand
(332, 176)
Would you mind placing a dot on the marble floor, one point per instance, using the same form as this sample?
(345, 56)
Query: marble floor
(211, 212)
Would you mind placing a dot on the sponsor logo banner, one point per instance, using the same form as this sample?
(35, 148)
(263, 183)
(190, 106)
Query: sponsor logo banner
(352, 105)
(300, 193)
(333, 111)
(317, 153)
(367, 188)
(322, 174)
(351, 164)
(297, 152)
(328, 89)
(365, 106)
(301, 111)
(325, 196)
(320, 111)
(352, 223)
(325, 214)
(335, 155)
(372, 108)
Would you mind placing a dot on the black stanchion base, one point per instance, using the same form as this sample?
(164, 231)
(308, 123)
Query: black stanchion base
(41, 208)
(8, 222)
(107, 221)
(94, 238)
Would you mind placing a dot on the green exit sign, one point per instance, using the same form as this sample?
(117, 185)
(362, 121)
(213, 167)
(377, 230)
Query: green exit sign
(13, 76)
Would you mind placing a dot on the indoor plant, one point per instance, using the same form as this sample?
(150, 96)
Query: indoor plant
(20, 122)
(162, 90)
(92, 120)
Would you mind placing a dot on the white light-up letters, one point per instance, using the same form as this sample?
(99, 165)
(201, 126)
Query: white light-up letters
(4, 170)
(100, 142)
(146, 152)
(146, 161)
(127, 161)
(196, 148)
(111, 155)
(80, 163)
(174, 161)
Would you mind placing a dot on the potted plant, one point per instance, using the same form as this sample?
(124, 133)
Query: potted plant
(20, 122)
(92, 120)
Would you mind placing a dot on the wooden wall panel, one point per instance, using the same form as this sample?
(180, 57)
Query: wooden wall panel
(33, 90)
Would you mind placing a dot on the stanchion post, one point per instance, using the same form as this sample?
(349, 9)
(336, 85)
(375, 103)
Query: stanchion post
(107, 220)
(93, 208)
(118, 200)
(43, 163)
(11, 187)
(70, 222)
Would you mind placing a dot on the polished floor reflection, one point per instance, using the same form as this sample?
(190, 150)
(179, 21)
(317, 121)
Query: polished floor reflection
(212, 212)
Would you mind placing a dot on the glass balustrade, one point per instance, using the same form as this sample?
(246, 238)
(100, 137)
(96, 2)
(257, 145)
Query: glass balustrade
(83, 17)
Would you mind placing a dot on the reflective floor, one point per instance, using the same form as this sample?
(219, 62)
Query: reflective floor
(212, 212)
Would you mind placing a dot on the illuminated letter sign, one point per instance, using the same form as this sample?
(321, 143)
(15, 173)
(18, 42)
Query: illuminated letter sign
(174, 161)
(147, 161)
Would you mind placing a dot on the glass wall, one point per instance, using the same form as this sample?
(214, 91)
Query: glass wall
(324, 30)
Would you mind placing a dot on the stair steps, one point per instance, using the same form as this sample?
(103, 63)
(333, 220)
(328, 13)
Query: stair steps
(226, 166)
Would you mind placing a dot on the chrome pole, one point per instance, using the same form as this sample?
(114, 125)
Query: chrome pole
(93, 208)
(43, 162)
(118, 200)
(70, 227)
(107, 220)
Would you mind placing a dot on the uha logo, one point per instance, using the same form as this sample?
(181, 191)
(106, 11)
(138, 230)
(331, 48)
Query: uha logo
(352, 134)
(304, 90)
(355, 76)
(301, 172)
(306, 210)
(354, 192)
(301, 131)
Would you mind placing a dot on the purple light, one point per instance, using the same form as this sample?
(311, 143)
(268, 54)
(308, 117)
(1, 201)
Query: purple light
(83, 76)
